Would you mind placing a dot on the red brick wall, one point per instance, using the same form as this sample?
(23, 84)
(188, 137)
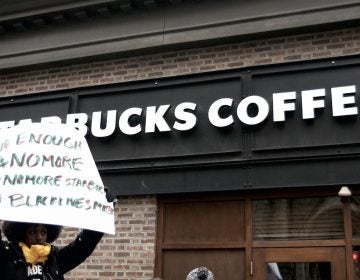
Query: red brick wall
(248, 53)
(130, 254)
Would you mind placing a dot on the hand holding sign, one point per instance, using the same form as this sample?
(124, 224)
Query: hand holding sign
(48, 175)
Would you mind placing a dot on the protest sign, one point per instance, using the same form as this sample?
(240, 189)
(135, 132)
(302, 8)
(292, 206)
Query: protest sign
(48, 175)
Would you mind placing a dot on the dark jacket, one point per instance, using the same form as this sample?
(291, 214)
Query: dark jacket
(59, 262)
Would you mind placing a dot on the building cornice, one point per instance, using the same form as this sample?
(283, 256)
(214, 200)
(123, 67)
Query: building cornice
(77, 31)
(19, 15)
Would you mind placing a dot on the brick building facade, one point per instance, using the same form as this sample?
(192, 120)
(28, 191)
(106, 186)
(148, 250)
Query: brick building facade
(279, 49)
(131, 253)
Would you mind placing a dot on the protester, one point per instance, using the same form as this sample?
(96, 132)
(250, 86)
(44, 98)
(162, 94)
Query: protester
(200, 273)
(29, 255)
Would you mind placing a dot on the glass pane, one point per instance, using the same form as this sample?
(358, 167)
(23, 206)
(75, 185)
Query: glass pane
(299, 271)
(355, 214)
(298, 219)
(356, 259)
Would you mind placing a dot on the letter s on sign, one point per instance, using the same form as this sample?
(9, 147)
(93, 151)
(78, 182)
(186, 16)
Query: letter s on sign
(188, 118)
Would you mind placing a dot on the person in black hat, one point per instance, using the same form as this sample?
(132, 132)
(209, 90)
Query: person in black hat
(28, 254)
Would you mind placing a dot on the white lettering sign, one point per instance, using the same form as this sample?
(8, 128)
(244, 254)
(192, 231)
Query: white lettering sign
(251, 110)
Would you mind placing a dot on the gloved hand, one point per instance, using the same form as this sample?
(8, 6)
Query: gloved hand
(109, 196)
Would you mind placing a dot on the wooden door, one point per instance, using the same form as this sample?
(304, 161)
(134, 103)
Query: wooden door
(311, 263)
(199, 233)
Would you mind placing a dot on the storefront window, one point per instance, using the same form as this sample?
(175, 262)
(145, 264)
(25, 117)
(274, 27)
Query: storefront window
(298, 219)
(299, 271)
(355, 214)
(356, 259)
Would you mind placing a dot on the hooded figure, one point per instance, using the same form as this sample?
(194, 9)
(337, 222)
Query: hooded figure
(200, 273)
(29, 255)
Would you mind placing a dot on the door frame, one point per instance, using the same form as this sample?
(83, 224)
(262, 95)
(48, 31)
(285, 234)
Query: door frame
(334, 255)
(249, 245)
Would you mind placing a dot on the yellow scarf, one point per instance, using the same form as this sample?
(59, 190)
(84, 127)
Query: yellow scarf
(36, 253)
